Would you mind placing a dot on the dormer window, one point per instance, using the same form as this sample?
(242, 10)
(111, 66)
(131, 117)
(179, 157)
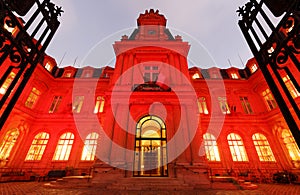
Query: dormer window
(215, 75)
(68, 74)
(253, 68)
(234, 75)
(87, 74)
(48, 66)
(196, 76)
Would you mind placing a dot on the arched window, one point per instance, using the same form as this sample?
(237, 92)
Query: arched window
(38, 146)
(237, 148)
(90, 146)
(211, 148)
(8, 143)
(291, 145)
(262, 147)
(64, 146)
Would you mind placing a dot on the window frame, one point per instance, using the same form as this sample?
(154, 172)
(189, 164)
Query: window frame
(290, 145)
(246, 105)
(211, 148)
(290, 86)
(151, 73)
(38, 147)
(32, 98)
(269, 99)
(99, 105)
(77, 104)
(263, 148)
(8, 143)
(90, 147)
(55, 104)
(7, 83)
(65, 142)
(202, 105)
(224, 106)
(236, 146)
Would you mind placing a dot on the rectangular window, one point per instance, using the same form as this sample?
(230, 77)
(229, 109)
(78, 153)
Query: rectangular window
(7, 83)
(77, 104)
(154, 76)
(290, 86)
(269, 99)
(32, 98)
(147, 77)
(246, 105)
(151, 73)
(224, 105)
(202, 106)
(99, 106)
(55, 104)
(234, 76)
(48, 67)
(253, 68)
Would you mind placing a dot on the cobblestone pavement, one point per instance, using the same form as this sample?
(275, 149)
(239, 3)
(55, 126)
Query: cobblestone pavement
(32, 188)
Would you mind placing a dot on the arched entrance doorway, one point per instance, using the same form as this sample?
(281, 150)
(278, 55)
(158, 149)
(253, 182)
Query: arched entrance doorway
(150, 159)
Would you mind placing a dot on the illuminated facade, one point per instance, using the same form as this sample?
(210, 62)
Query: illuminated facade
(220, 121)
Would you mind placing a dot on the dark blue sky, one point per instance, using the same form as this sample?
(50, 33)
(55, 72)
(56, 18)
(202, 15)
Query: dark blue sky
(89, 28)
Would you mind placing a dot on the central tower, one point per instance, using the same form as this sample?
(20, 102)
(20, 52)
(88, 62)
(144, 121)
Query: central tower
(152, 119)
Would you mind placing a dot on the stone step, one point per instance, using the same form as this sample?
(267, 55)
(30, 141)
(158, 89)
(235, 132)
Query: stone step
(144, 183)
(76, 179)
(248, 186)
(149, 187)
(150, 180)
(71, 181)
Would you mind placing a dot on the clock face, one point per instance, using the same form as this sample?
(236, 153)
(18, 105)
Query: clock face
(151, 32)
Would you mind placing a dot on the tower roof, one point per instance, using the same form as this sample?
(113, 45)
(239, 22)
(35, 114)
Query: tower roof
(151, 18)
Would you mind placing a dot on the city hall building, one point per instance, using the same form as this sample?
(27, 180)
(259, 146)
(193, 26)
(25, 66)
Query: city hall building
(151, 115)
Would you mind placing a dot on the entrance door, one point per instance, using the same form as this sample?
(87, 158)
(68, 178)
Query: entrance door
(150, 148)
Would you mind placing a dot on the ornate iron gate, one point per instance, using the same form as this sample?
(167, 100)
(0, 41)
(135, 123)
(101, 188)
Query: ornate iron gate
(23, 43)
(276, 49)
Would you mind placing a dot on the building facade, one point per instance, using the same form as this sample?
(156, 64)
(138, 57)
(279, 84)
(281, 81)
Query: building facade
(149, 116)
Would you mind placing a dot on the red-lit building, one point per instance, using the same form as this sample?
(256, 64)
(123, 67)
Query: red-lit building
(150, 115)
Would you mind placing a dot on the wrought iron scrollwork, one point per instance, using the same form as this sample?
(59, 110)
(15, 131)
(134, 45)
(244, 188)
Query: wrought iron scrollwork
(246, 12)
(21, 47)
(9, 22)
(282, 58)
(15, 56)
(3, 43)
(288, 25)
(277, 52)
(53, 11)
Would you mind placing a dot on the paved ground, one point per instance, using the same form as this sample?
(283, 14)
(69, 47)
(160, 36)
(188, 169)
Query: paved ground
(33, 188)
